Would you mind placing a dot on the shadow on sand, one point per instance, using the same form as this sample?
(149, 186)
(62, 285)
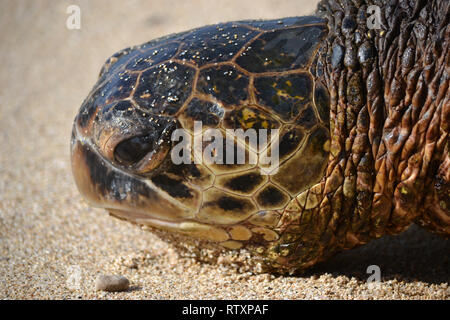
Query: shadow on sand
(415, 255)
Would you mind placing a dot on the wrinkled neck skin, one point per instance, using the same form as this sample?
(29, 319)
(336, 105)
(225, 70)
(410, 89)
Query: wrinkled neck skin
(390, 114)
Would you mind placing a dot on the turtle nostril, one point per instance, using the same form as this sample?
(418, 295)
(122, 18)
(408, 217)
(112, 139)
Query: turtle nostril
(132, 150)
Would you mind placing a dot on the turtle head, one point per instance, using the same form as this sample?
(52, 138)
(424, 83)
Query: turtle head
(125, 160)
(200, 144)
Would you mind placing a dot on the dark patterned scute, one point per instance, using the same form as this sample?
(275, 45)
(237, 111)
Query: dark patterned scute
(152, 57)
(228, 203)
(289, 142)
(215, 43)
(249, 117)
(164, 89)
(322, 102)
(307, 118)
(244, 183)
(224, 83)
(285, 95)
(174, 187)
(208, 113)
(306, 167)
(231, 161)
(282, 50)
(119, 86)
(270, 197)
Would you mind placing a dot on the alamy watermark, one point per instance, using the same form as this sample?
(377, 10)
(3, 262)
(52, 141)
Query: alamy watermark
(374, 280)
(374, 17)
(75, 277)
(73, 21)
(220, 150)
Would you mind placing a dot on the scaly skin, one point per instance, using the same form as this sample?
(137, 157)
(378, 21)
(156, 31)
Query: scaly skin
(390, 115)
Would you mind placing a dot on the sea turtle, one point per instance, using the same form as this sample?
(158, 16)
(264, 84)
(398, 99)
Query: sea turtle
(362, 114)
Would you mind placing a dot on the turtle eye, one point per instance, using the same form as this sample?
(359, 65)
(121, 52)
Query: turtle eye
(130, 151)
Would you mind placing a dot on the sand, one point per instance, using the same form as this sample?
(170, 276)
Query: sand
(53, 245)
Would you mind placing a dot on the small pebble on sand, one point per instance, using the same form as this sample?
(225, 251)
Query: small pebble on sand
(111, 283)
(54, 244)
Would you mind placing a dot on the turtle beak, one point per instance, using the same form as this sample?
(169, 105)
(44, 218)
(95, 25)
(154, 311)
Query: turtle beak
(103, 185)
